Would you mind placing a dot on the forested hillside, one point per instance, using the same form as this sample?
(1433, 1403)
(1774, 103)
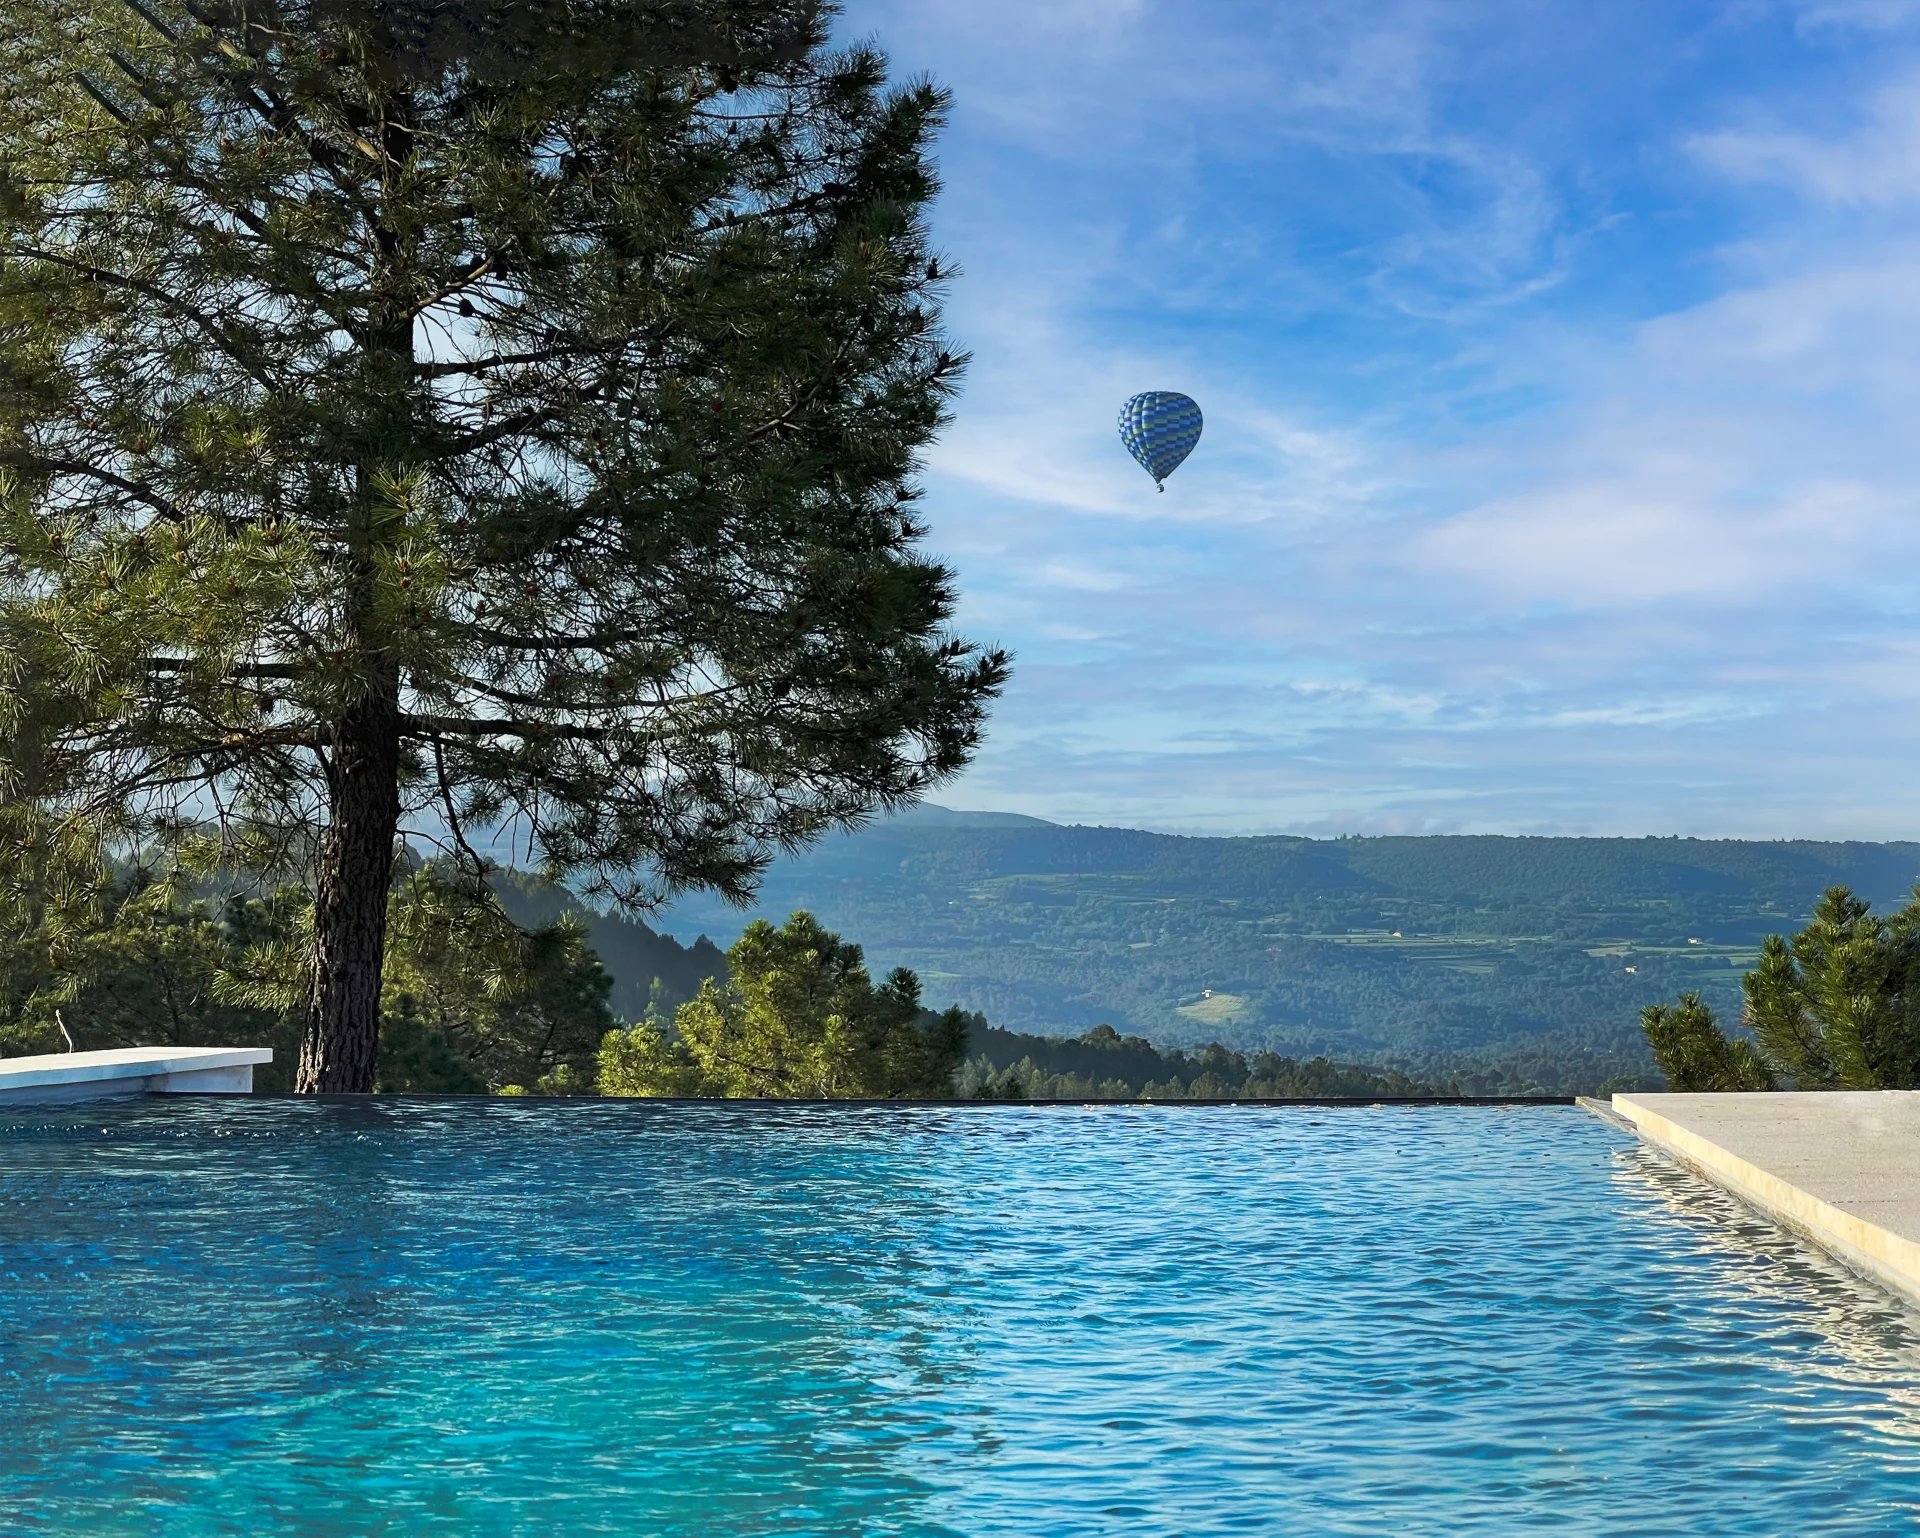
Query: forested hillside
(634, 956)
(1500, 962)
(651, 968)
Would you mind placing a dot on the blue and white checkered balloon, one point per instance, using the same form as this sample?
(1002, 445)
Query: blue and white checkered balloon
(1160, 429)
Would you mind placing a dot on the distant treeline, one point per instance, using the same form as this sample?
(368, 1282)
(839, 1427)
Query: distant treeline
(1104, 1065)
(652, 970)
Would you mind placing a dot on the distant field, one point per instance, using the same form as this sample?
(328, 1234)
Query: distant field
(1220, 1009)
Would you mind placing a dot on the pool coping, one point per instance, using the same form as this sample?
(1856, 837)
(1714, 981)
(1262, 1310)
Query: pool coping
(1836, 1168)
(63, 1078)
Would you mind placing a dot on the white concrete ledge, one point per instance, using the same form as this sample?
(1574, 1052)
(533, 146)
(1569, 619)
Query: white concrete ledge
(57, 1077)
(1840, 1168)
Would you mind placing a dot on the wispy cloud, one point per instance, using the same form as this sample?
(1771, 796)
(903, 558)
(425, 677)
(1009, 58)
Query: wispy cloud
(1876, 162)
(1861, 15)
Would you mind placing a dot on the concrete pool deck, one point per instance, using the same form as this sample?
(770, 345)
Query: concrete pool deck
(55, 1078)
(1838, 1167)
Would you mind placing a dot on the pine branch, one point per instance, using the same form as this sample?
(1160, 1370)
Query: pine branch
(434, 726)
(140, 491)
(272, 109)
(243, 670)
(161, 296)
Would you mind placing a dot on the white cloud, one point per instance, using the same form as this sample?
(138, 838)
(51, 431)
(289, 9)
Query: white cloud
(1875, 165)
(1846, 323)
(1083, 578)
(1677, 530)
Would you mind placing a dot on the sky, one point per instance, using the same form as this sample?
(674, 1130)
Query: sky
(1561, 371)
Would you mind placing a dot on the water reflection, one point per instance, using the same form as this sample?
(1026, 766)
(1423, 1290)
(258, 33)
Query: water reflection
(1854, 1333)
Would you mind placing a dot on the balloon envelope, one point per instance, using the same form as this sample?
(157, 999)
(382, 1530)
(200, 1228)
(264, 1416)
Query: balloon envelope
(1160, 429)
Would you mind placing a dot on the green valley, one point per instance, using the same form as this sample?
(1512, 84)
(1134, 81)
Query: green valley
(1500, 963)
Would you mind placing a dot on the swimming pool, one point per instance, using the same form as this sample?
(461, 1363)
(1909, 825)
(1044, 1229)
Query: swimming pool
(500, 1317)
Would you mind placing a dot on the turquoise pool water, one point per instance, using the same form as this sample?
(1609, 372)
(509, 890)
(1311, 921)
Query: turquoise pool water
(283, 1318)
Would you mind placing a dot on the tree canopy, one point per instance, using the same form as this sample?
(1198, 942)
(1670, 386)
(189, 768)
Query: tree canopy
(798, 1018)
(470, 996)
(1101, 1064)
(433, 419)
(1694, 1054)
(154, 972)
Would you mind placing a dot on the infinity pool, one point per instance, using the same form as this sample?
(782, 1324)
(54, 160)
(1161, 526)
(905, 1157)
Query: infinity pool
(284, 1318)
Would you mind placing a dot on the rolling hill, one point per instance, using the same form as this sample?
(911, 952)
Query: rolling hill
(1514, 961)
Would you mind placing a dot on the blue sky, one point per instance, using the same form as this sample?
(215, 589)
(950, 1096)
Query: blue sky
(1561, 366)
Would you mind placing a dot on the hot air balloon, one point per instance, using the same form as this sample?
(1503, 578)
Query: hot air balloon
(1160, 429)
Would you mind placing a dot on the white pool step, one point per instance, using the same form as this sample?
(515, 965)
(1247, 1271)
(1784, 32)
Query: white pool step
(56, 1077)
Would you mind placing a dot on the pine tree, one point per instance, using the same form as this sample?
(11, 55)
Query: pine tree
(511, 1006)
(798, 1017)
(1695, 1054)
(1837, 1006)
(421, 419)
(1834, 1006)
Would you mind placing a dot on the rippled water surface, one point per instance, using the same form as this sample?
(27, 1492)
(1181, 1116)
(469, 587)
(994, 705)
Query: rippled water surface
(284, 1318)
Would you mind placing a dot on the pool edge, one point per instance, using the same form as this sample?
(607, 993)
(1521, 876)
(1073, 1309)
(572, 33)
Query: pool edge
(1868, 1249)
(1605, 1112)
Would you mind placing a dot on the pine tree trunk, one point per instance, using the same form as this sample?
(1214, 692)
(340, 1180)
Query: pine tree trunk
(340, 1042)
(342, 1030)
